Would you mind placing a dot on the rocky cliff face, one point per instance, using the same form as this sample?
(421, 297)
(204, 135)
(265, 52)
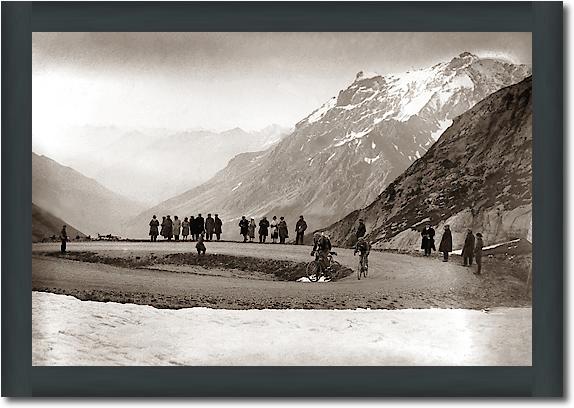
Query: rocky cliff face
(477, 175)
(345, 153)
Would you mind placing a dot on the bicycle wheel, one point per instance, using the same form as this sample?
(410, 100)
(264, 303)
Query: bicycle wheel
(365, 267)
(313, 271)
(359, 270)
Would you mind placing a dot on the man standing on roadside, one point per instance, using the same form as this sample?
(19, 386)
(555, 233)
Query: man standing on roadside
(209, 227)
(300, 228)
(218, 225)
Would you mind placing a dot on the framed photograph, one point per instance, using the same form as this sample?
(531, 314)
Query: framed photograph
(282, 199)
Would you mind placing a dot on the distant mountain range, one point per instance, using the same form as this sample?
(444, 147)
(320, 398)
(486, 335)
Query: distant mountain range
(345, 153)
(46, 225)
(84, 203)
(151, 165)
(477, 175)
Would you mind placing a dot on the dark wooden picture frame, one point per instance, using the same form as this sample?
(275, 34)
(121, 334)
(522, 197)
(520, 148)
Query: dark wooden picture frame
(544, 378)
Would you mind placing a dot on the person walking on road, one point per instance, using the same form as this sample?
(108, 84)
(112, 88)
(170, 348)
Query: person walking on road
(300, 228)
(218, 226)
(153, 228)
(445, 245)
(244, 227)
(478, 253)
(468, 248)
(63, 239)
(283, 230)
(209, 227)
(263, 230)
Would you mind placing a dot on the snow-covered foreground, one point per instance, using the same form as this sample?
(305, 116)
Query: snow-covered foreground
(67, 331)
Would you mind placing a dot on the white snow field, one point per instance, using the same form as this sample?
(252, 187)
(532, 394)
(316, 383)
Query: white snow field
(67, 331)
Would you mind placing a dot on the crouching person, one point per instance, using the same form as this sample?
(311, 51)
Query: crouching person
(200, 246)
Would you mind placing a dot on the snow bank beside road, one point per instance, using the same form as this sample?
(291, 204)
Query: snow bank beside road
(67, 331)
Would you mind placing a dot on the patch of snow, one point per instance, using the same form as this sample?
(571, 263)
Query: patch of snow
(373, 145)
(330, 157)
(67, 331)
(420, 222)
(319, 113)
(371, 161)
(237, 186)
(459, 251)
(396, 147)
(418, 154)
(442, 126)
(352, 136)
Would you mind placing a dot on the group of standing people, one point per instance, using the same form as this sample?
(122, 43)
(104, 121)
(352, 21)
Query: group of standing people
(276, 228)
(193, 227)
(472, 247)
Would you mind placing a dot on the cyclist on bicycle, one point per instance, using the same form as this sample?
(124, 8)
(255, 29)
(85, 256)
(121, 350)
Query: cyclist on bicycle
(322, 245)
(364, 248)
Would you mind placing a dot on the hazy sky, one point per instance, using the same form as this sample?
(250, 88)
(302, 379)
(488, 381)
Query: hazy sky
(223, 80)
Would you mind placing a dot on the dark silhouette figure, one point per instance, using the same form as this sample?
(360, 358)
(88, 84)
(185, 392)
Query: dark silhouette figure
(468, 248)
(361, 229)
(218, 226)
(445, 245)
(200, 224)
(478, 253)
(209, 227)
(263, 230)
(428, 239)
(283, 230)
(63, 239)
(200, 246)
(153, 228)
(300, 228)
(244, 227)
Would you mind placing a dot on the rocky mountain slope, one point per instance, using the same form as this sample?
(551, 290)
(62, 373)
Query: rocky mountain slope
(45, 225)
(158, 163)
(478, 175)
(345, 153)
(81, 201)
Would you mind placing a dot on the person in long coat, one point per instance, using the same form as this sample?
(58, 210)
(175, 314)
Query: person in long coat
(192, 228)
(63, 239)
(274, 230)
(283, 230)
(168, 230)
(162, 232)
(300, 228)
(244, 227)
(218, 226)
(209, 227)
(468, 248)
(176, 227)
(361, 229)
(445, 245)
(428, 239)
(185, 228)
(153, 228)
(263, 230)
(200, 225)
(251, 230)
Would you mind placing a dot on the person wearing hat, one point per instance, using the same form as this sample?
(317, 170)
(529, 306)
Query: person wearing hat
(468, 248)
(283, 230)
(244, 227)
(218, 225)
(428, 239)
(209, 227)
(445, 245)
(274, 229)
(300, 228)
(322, 246)
(251, 229)
(263, 230)
(153, 228)
(478, 253)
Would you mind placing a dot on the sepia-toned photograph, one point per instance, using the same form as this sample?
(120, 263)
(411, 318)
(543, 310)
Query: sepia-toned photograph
(281, 199)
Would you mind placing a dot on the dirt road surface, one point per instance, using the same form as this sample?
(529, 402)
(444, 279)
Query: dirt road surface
(395, 281)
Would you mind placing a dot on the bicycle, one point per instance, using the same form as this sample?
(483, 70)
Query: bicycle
(363, 268)
(315, 268)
